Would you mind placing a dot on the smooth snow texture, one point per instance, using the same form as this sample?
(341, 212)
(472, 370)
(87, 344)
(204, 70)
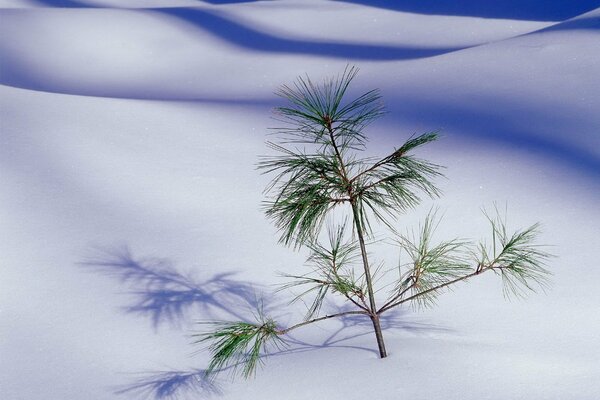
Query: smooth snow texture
(130, 203)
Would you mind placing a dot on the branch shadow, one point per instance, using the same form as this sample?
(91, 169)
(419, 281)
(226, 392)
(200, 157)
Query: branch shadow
(168, 296)
(171, 385)
(165, 295)
(394, 320)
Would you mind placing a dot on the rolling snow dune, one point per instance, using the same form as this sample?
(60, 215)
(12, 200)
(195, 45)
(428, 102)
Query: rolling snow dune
(132, 62)
(131, 208)
(534, 10)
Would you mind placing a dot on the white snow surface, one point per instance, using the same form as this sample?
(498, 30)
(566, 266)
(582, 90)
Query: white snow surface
(130, 205)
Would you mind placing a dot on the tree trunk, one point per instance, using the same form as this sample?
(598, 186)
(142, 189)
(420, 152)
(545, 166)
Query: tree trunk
(363, 250)
(372, 305)
(379, 336)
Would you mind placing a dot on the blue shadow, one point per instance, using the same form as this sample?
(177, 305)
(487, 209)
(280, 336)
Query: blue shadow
(231, 1)
(79, 4)
(172, 384)
(491, 124)
(167, 296)
(65, 4)
(251, 38)
(530, 10)
(591, 23)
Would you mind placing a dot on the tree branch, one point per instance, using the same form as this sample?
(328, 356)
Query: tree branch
(399, 295)
(284, 331)
(443, 285)
(373, 167)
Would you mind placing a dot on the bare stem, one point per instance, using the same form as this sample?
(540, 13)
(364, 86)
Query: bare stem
(398, 296)
(359, 231)
(443, 285)
(311, 321)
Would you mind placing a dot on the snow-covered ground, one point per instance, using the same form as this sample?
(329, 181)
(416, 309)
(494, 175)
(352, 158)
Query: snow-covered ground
(130, 203)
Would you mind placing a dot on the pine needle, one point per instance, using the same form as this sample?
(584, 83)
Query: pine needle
(238, 345)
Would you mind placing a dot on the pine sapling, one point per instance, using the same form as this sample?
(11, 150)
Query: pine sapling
(318, 169)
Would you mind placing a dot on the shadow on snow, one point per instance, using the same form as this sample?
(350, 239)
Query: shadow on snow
(173, 384)
(494, 119)
(83, 4)
(252, 38)
(165, 295)
(530, 10)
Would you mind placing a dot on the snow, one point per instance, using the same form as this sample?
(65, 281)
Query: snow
(129, 135)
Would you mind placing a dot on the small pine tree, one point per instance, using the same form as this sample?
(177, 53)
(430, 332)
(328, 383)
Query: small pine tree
(318, 169)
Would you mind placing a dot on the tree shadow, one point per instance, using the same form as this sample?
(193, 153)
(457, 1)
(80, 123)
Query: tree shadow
(165, 295)
(168, 296)
(361, 325)
(530, 10)
(171, 385)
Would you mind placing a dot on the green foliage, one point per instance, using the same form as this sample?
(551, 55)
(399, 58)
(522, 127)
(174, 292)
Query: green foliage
(314, 108)
(432, 264)
(319, 172)
(238, 344)
(515, 257)
(307, 187)
(333, 269)
(392, 184)
(434, 268)
(311, 181)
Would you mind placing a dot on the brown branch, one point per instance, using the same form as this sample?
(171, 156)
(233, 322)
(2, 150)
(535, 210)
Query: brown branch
(443, 285)
(343, 172)
(356, 303)
(346, 295)
(339, 200)
(372, 184)
(399, 295)
(378, 164)
(357, 222)
(284, 331)
(327, 283)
